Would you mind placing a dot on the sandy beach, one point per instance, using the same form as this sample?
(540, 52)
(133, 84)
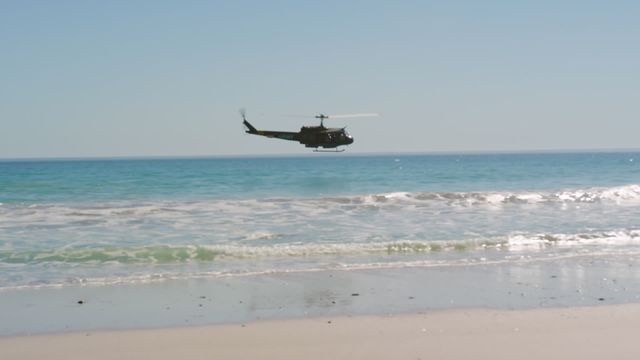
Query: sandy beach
(571, 333)
(577, 309)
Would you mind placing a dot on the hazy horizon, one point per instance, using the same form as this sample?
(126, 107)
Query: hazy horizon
(311, 153)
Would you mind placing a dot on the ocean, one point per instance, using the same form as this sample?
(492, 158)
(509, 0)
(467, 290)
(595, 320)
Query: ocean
(137, 221)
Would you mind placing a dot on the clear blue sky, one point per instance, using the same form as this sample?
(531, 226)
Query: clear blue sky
(143, 78)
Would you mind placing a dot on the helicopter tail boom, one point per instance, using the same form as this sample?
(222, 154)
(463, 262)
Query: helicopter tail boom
(284, 135)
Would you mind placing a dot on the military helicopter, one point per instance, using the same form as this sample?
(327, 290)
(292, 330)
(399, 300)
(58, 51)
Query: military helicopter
(311, 136)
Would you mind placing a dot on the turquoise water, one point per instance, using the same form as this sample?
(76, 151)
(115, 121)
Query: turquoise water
(231, 178)
(111, 221)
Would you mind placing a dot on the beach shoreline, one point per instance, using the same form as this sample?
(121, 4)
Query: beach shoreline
(557, 283)
(585, 307)
(596, 332)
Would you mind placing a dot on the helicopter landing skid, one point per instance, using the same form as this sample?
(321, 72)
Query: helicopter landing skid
(329, 151)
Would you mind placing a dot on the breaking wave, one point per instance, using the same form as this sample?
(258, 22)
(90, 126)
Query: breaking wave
(168, 254)
(616, 195)
(50, 243)
(620, 194)
(272, 219)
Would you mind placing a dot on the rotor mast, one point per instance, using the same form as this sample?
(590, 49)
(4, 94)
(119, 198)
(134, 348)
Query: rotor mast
(322, 117)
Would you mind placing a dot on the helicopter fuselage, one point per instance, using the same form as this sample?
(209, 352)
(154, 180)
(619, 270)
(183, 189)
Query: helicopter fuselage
(309, 136)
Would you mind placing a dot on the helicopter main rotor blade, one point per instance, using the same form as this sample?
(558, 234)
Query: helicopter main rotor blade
(324, 117)
(351, 116)
(299, 116)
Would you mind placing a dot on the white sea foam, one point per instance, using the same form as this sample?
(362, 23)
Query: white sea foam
(388, 216)
(610, 238)
(151, 275)
(621, 194)
(397, 195)
(495, 198)
(123, 209)
(618, 194)
(531, 198)
(168, 254)
(375, 225)
(263, 235)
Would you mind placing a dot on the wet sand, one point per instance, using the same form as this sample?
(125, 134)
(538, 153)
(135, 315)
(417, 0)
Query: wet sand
(601, 332)
(578, 282)
(586, 307)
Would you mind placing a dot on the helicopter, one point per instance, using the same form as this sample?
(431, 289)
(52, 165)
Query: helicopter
(311, 136)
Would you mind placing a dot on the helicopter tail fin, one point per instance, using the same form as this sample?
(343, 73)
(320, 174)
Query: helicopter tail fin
(251, 130)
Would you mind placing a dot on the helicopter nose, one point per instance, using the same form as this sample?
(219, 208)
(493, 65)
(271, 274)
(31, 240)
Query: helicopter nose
(349, 139)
